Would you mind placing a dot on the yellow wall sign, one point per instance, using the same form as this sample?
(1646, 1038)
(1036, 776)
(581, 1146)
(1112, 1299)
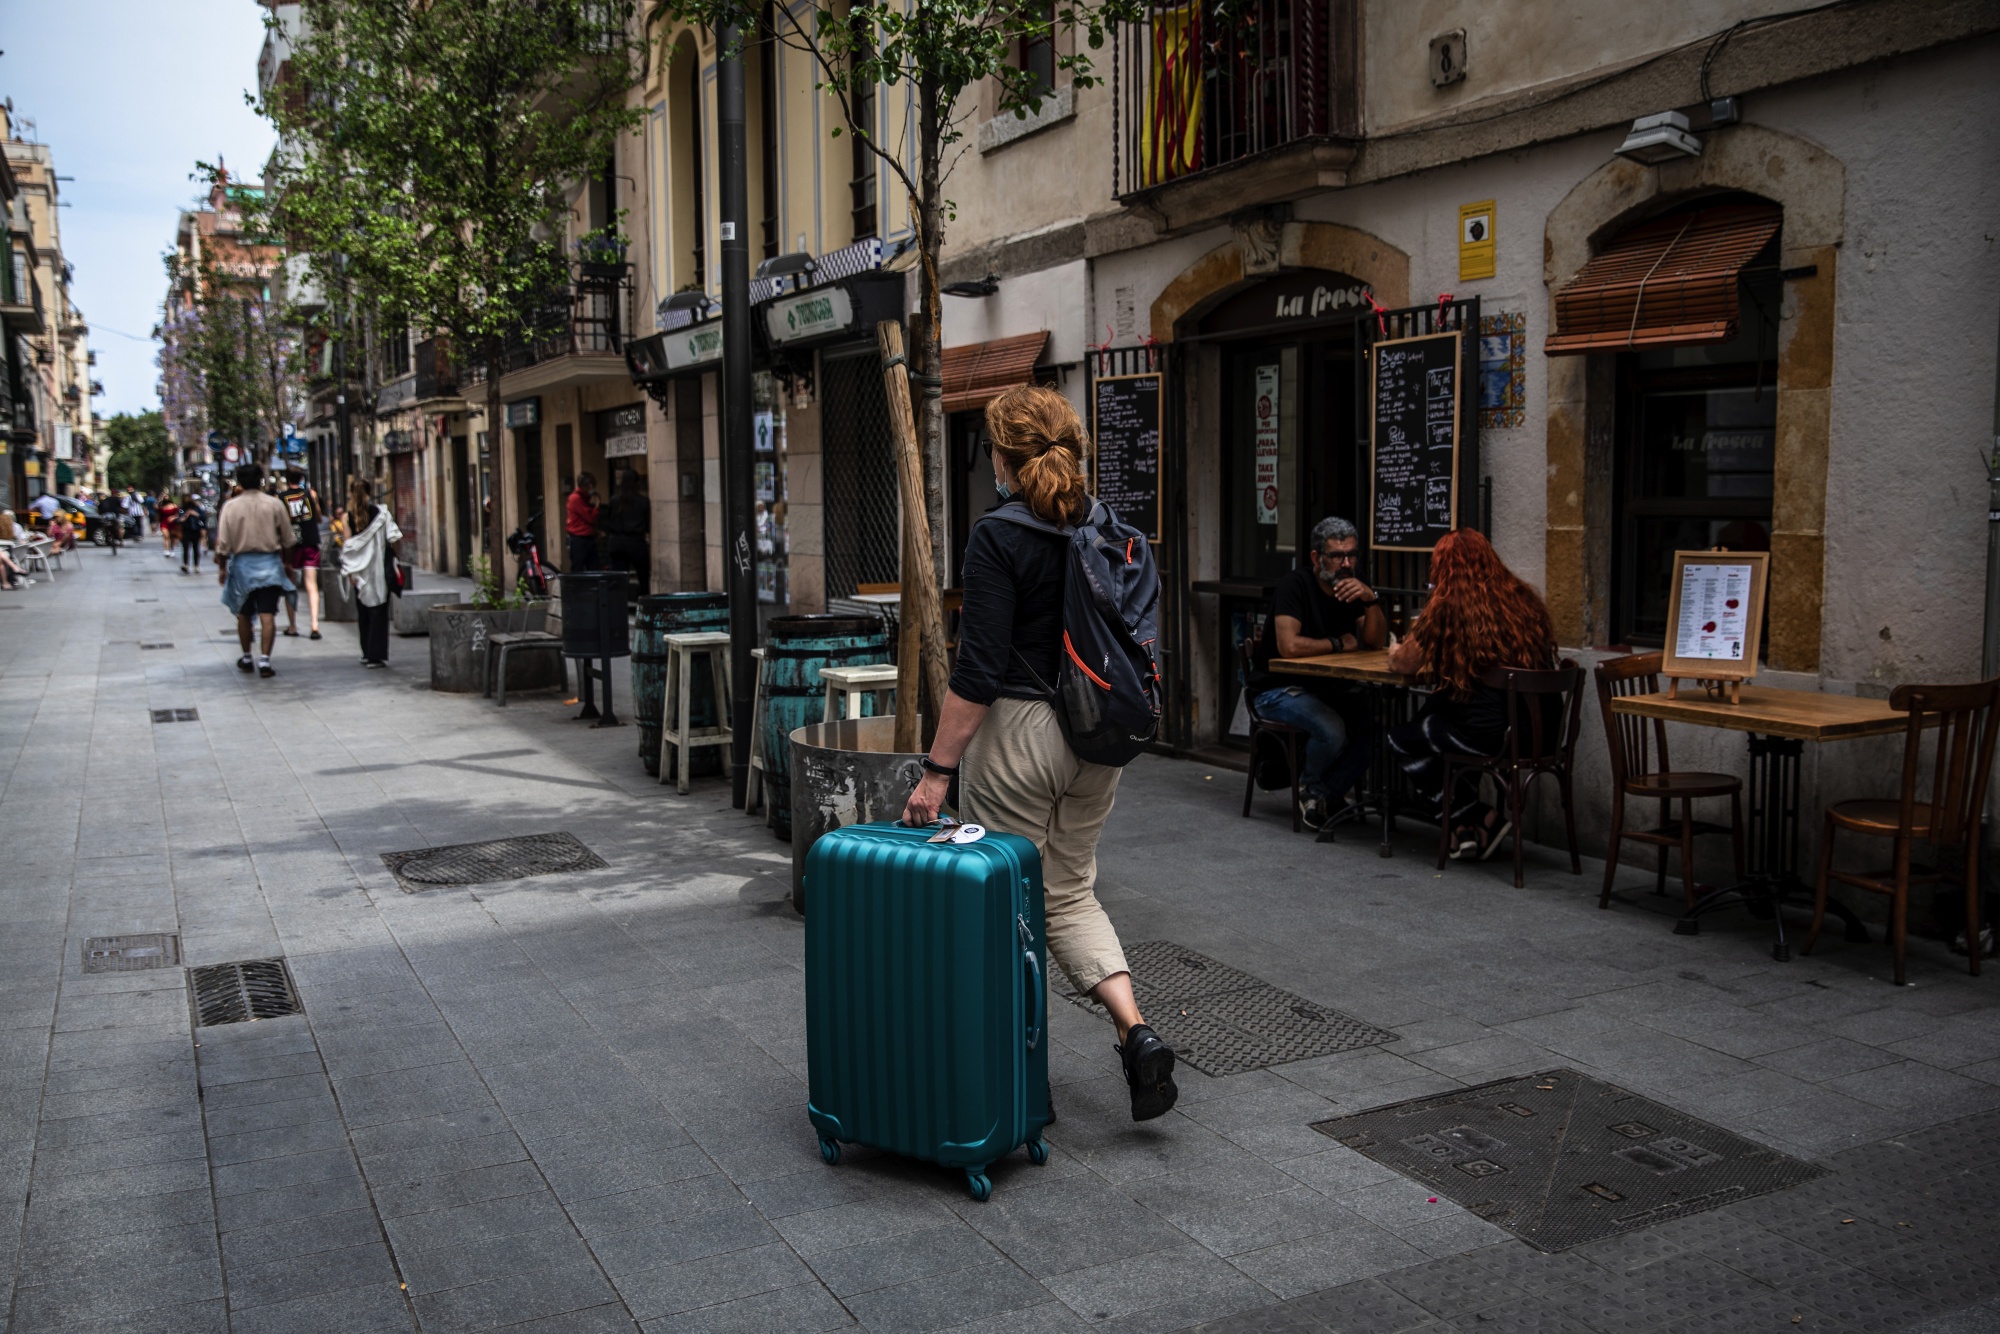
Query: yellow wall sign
(1475, 240)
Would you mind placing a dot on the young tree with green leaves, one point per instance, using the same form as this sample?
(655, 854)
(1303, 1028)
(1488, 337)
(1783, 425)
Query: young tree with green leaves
(142, 454)
(427, 154)
(943, 49)
(233, 343)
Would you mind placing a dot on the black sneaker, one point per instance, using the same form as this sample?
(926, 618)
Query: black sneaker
(1149, 1071)
(1313, 814)
(246, 663)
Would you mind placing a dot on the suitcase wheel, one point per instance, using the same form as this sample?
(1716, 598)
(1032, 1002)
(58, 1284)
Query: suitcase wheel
(830, 1151)
(979, 1184)
(1038, 1153)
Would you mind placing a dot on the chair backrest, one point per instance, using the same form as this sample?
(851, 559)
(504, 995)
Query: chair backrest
(1246, 665)
(1968, 719)
(1633, 740)
(1535, 700)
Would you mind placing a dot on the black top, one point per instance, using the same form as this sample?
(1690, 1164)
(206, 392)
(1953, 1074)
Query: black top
(1320, 615)
(1013, 601)
(303, 506)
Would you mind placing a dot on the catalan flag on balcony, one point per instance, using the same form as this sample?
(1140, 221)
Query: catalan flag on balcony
(1171, 137)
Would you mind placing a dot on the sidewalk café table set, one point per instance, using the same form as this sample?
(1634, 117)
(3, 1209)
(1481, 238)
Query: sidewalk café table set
(1778, 722)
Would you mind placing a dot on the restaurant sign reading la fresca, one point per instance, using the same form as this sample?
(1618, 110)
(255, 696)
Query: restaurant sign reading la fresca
(1287, 300)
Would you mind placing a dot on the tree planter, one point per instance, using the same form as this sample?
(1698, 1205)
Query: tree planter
(413, 610)
(844, 772)
(459, 633)
(336, 597)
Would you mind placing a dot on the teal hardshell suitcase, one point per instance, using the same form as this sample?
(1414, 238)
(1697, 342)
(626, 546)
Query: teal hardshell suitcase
(926, 1004)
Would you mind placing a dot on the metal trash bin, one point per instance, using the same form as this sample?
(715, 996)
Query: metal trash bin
(595, 628)
(794, 695)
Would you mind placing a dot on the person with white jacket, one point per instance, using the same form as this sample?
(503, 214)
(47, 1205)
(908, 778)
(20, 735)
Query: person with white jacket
(367, 561)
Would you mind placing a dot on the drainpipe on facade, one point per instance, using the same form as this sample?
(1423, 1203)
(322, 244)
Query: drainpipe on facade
(739, 570)
(1990, 659)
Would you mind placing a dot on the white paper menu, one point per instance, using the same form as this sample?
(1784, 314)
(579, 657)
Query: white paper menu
(1715, 611)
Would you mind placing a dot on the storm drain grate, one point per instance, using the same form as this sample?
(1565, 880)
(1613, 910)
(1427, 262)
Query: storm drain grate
(125, 954)
(1560, 1159)
(497, 859)
(176, 715)
(145, 599)
(147, 646)
(236, 993)
(1222, 1021)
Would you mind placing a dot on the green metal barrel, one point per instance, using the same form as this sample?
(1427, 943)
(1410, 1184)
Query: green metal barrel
(794, 695)
(660, 615)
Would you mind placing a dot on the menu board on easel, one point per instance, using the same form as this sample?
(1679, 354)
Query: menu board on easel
(1413, 441)
(1125, 431)
(1715, 617)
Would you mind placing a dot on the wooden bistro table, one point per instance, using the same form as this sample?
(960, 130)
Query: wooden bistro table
(1367, 667)
(1779, 723)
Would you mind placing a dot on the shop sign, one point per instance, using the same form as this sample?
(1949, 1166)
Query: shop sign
(694, 347)
(523, 412)
(1267, 444)
(622, 431)
(809, 315)
(65, 441)
(1307, 296)
(399, 442)
(1475, 241)
(31, 468)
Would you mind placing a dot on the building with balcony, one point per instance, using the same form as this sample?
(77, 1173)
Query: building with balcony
(48, 425)
(1710, 272)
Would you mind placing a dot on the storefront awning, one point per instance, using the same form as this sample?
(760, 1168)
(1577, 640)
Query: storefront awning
(977, 373)
(1670, 281)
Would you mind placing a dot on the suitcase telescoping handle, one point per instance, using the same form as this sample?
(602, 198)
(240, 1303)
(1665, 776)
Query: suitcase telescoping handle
(1038, 993)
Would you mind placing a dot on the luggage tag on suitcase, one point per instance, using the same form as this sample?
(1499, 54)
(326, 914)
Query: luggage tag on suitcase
(951, 831)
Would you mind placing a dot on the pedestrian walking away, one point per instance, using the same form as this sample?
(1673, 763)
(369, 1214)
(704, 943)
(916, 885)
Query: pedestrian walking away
(170, 536)
(251, 535)
(580, 523)
(302, 561)
(367, 562)
(190, 523)
(998, 732)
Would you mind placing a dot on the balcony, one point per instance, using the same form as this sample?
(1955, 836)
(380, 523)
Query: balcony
(21, 296)
(437, 377)
(1221, 106)
(578, 335)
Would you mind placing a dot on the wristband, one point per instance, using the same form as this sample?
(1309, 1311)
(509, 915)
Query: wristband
(932, 766)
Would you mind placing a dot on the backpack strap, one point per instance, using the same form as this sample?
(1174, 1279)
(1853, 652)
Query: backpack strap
(1017, 511)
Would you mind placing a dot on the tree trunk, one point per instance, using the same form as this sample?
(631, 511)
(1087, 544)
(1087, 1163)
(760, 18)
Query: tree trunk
(496, 540)
(922, 619)
(930, 339)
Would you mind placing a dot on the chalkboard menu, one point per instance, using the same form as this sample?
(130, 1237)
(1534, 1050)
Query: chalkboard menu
(1413, 441)
(1125, 425)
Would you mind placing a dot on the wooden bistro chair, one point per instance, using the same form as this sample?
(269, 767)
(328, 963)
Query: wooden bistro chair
(1967, 718)
(1636, 744)
(1531, 748)
(1289, 739)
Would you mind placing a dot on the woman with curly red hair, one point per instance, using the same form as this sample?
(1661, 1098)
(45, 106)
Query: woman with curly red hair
(1480, 615)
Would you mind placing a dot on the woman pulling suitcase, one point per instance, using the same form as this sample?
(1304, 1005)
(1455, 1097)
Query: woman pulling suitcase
(998, 732)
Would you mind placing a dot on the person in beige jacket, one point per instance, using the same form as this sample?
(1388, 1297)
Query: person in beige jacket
(251, 536)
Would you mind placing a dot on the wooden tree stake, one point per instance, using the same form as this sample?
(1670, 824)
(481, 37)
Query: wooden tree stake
(921, 646)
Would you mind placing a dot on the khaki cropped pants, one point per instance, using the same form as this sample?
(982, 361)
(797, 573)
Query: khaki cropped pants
(1020, 777)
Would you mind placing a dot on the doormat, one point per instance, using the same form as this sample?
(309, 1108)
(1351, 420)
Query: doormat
(484, 863)
(1222, 1021)
(124, 954)
(1559, 1159)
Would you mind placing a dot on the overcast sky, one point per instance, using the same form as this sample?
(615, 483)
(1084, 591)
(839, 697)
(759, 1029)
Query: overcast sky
(129, 95)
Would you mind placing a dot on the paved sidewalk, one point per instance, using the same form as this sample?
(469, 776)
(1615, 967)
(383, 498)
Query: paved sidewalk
(576, 1102)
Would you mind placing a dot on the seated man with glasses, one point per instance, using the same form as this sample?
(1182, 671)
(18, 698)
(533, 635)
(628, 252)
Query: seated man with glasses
(1322, 609)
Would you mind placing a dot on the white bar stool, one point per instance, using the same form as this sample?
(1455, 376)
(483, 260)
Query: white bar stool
(677, 733)
(851, 683)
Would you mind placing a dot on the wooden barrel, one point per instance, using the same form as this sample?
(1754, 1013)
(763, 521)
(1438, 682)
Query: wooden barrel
(794, 695)
(660, 615)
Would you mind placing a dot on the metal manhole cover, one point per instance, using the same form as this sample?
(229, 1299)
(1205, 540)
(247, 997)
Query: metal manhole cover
(1223, 1021)
(176, 715)
(125, 954)
(1560, 1159)
(147, 646)
(236, 993)
(497, 859)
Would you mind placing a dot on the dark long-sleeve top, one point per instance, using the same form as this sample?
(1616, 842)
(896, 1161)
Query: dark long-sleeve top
(1013, 600)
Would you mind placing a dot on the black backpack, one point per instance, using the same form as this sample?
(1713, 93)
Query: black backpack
(1107, 695)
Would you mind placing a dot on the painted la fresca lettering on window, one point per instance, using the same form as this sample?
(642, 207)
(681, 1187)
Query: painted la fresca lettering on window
(1321, 300)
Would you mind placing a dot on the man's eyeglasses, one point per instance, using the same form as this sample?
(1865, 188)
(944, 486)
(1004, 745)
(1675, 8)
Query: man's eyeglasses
(1340, 557)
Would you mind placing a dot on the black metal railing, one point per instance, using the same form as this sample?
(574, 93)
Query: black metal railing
(591, 317)
(1205, 83)
(437, 377)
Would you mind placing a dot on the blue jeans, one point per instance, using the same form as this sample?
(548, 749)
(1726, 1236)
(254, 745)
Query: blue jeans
(1327, 742)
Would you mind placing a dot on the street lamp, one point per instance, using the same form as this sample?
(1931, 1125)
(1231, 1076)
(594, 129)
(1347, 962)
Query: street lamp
(1659, 138)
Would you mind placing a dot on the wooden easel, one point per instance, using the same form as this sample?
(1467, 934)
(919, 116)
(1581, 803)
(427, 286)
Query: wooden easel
(1712, 673)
